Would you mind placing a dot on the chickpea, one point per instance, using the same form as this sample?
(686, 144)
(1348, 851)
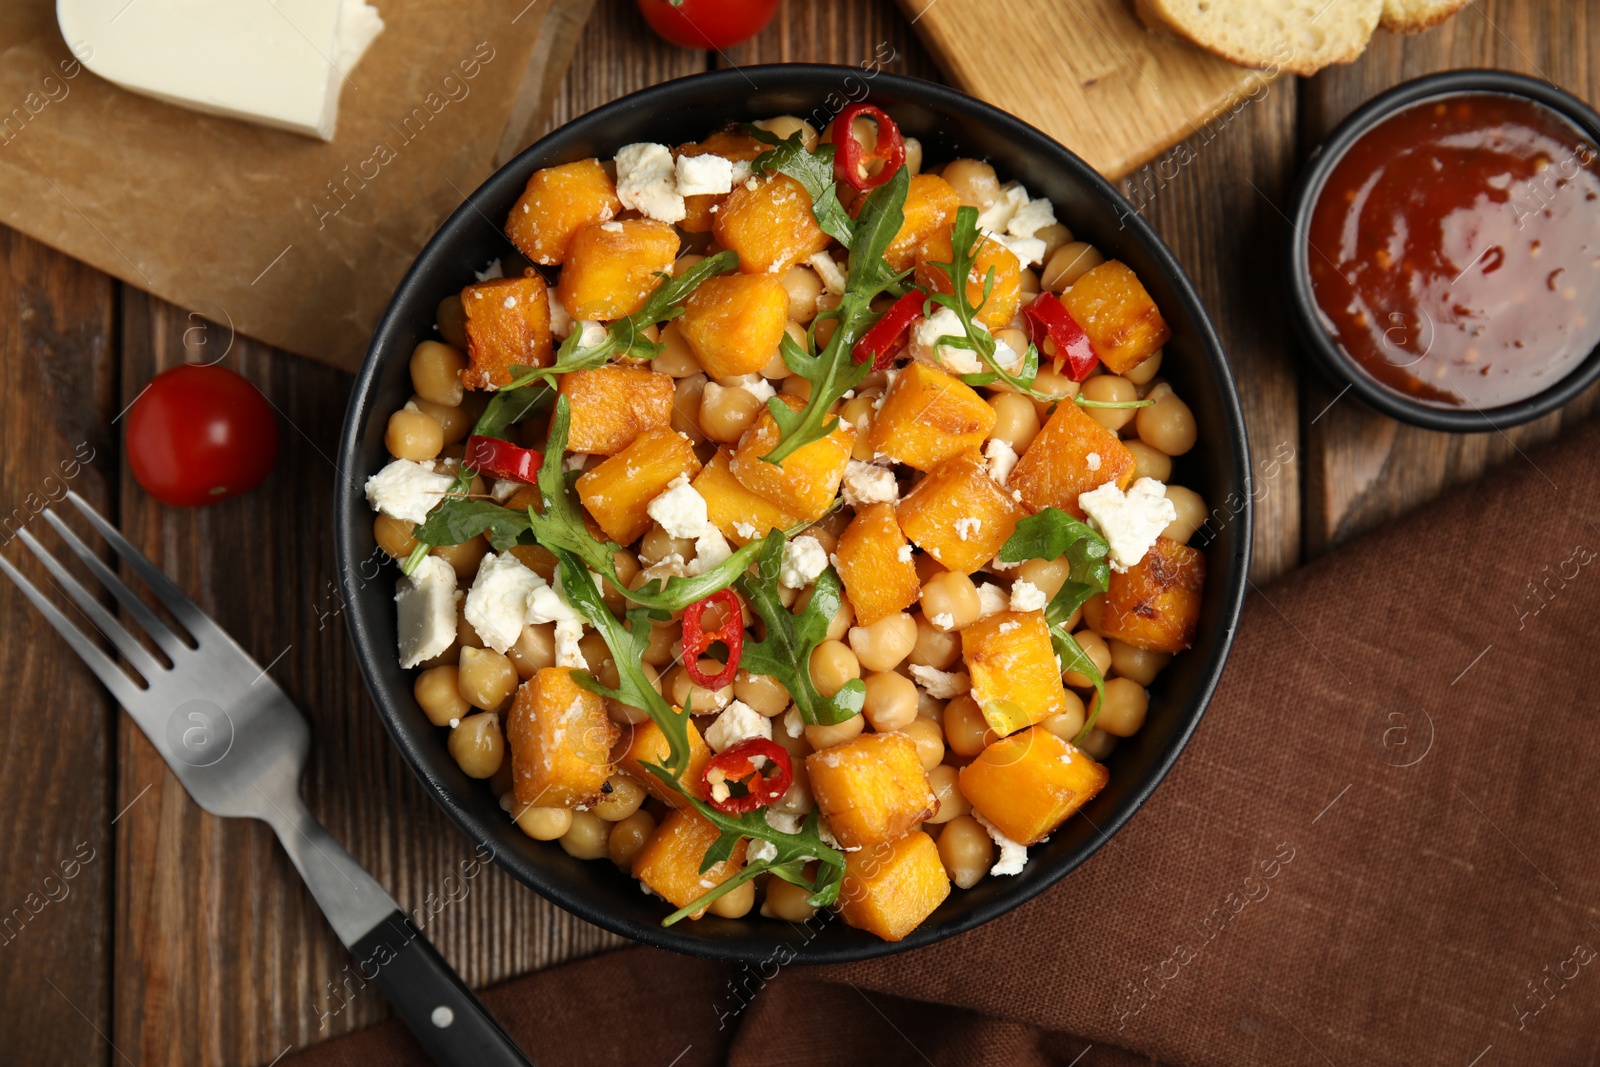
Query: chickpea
(677, 358)
(727, 413)
(942, 780)
(966, 731)
(657, 545)
(1052, 383)
(1092, 609)
(934, 647)
(913, 155)
(477, 745)
(1016, 422)
(929, 738)
(1191, 513)
(857, 411)
(967, 851)
(535, 649)
(775, 369)
(628, 836)
(736, 902)
(930, 707)
(413, 435)
(823, 328)
(926, 566)
(394, 535)
(1110, 389)
(1028, 287)
(1138, 664)
(1149, 462)
(1067, 724)
(587, 837)
(437, 695)
(883, 645)
(436, 373)
(686, 401)
(794, 385)
(685, 694)
(597, 654)
(762, 692)
(787, 901)
(821, 737)
(463, 558)
(797, 799)
(842, 620)
(454, 423)
(1013, 338)
(803, 286)
(486, 678)
(974, 182)
(544, 824)
(950, 601)
(1069, 263)
(622, 801)
(1099, 744)
(627, 567)
(833, 665)
(658, 653)
(1055, 236)
(891, 702)
(451, 318)
(683, 263)
(1168, 424)
(1094, 646)
(1048, 575)
(1141, 373)
(784, 126)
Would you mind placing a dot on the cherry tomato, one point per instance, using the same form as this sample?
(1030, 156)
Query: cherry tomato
(711, 24)
(200, 434)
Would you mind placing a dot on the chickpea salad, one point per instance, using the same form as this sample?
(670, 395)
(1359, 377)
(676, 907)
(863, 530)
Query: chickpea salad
(787, 522)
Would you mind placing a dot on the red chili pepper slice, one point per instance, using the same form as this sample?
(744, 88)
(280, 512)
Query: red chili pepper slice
(696, 640)
(887, 336)
(738, 764)
(490, 455)
(1049, 319)
(850, 160)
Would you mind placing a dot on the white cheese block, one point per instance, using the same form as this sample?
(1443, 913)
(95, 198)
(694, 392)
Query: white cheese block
(425, 604)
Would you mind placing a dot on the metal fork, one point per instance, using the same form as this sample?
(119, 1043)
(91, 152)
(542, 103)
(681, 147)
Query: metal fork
(239, 747)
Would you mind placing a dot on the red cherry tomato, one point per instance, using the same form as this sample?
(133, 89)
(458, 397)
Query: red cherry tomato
(707, 24)
(200, 434)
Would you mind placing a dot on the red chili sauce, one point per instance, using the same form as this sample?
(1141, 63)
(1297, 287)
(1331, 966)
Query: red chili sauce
(1455, 250)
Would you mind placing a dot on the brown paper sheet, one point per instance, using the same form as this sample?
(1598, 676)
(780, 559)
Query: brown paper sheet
(287, 239)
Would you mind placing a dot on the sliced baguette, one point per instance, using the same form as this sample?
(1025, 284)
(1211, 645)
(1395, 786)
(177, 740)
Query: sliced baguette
(1414, 16)
(1299, 36)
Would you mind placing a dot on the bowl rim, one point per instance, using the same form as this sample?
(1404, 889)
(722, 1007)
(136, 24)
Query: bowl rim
(350, 502)
(1314, 176)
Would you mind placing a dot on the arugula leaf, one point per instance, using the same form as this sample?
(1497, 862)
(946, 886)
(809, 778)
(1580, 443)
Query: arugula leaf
(459, 519)
(833, 372)
(511, 405)
(785, 651)
(814, 170)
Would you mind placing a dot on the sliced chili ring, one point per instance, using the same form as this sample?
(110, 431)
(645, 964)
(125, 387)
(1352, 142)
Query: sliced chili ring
(696, 639)
(1049, 320)
(850, 160)
(491, 455)
(737, 764)
(884, 340)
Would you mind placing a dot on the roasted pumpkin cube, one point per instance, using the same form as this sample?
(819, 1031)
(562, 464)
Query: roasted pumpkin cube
(874, 562)
(1005, 293)
(741, 515)
(959, 515)
(728, 144)
(649, 745)
(1070, 456)
(771, 225)
(928, 416)
(930, 210)
(733, 322)
(613, 405)
(871, 789)
(1015, 680)
(1123, 323)
(561, 741)
(1027, 784)
(806, 482)
(556, 202)
(1155, 604)
(613, 267)
(618, 492)
(508, 325)
(889, 890)
(669, 863)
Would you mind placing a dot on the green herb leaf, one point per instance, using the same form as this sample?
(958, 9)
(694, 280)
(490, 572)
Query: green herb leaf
(814, 170)
(458, 519)
(785, 651)
(1073, 658)
(1084, 402)
(510, 406)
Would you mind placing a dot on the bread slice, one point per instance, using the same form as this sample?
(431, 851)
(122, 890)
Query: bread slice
(1299, 36)
(1414, 16)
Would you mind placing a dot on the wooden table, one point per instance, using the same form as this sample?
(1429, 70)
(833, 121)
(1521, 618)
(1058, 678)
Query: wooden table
(184, 939)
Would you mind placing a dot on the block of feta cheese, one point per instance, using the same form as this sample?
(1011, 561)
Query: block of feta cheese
(737, 722)
(1002, 458)
(497, 603)
(941, 685)
(1013, 854)
(925, 347)
(408, 490)
(706, 175)
(1025, 596)
(1130, 522)
(280, 64)
(804, 559)
(425, 604)
(868, 483)
(681, 510)
(647, 181)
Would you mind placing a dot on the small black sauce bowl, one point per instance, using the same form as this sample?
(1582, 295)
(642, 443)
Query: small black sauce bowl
(1307, 316)
(949, 124)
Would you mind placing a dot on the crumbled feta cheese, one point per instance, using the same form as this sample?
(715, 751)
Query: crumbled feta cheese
(965, 527)
(1025, 596)
(550, 604)
(741, 172)
(497, 603)
(943, 621)
(904, 554)
(503, 489)
(991, 598)
(707, 175)
(825, 832)
(997, 216)
(737, 722)
(784, 824)
(408, 490)
(761, 851)
(1002, 459)
(568, 653)
(710, 549)
(794, 724)
(1009, 625)
(1031, 217)
(925, 347)
(425, 604)
(745, 530)
(868, 483)
(493, 270)
(1130, 521)
(560, 322)
(574, 461)
(941, 685)
(1000, 566)
(681, 510)
(647, 182)
(754, 384)
(804, 559)
(832, 275)
(1092, 461)
(1013, 856)
(1028, 250)
(611, 227)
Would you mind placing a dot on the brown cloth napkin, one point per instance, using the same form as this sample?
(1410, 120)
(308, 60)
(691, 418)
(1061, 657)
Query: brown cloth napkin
(1379, 848)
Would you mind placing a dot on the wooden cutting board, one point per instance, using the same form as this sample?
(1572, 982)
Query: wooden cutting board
(1086, 72)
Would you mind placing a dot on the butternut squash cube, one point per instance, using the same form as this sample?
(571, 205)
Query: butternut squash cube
(741, 515)
(871, 789)
(771, 226)
(1015, 680)
(1057, 466)
(669, 863)
(728, 144)
(556, 202)
(930, 210)
(508, 325)
(928, 416)
(614, 404)
(959, 515)
(613, 267)
(649, 745)
(1029, 783)
(805, 483)
(618, 492)
(889, 890)
(1155, 604)
(873, 558)
(1004, 295)
(561, 741)
(1123, 323)
(733, 322)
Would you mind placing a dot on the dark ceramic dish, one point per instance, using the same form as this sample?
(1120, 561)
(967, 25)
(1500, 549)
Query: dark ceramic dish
(1333, 359)
(949, 124)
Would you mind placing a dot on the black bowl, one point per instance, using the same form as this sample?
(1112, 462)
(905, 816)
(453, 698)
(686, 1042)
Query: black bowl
(949, 124)
(1308, 320)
